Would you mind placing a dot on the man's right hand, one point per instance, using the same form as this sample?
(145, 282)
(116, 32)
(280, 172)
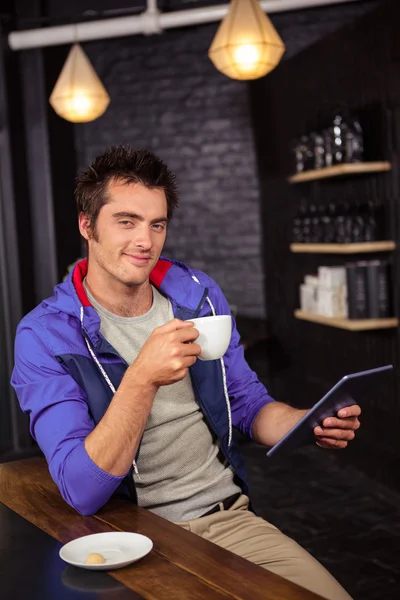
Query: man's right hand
(167, 354)
(165, 358)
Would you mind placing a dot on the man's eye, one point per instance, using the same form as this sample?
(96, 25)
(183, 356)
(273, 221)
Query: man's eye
(125, 222)
(159, 226)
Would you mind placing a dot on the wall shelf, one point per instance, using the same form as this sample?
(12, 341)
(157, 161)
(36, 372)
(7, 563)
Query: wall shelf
(359, 248)
(338, 170)
(350, 325)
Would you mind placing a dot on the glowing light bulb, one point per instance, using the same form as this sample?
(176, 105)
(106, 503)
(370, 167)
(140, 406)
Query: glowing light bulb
(246, 56)
(80, 104)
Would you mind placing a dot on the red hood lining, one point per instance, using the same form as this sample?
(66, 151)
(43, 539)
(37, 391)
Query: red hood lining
(80, 271)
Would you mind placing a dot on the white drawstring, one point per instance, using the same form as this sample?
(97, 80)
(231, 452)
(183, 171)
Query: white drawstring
(226, 394)
(106, 377)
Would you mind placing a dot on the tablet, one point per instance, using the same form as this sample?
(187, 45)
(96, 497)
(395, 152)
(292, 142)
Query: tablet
(351, 389)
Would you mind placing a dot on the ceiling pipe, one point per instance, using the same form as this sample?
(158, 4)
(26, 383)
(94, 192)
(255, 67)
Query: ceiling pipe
(151, 21)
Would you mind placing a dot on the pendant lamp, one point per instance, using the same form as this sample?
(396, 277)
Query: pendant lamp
(246, 45)
(79, 96)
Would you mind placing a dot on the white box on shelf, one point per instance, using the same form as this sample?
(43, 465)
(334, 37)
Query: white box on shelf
(344, 307)
(308, 298)
(331, 277)
(332, 302)
(311, 280)
(328, 303)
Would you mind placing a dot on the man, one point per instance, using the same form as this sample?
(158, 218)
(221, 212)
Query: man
(107, 370)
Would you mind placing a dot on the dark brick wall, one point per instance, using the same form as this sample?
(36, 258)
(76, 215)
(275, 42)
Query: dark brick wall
(167, 96)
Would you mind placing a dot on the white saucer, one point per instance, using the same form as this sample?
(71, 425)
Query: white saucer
(119, 549)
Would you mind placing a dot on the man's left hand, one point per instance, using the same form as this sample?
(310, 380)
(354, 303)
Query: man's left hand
(337, 432)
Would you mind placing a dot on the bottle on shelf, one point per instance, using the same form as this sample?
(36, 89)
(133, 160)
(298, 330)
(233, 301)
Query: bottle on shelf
(342, 223)
(356, 276)
(315, 225)
(323, 223)
(306, 222)
(309, 152)
(318, 150)
(354, 142)
(341, 141)
(357, 224)
(329, 220)
(328, 145)
(299, 156)
(297, 232)
(338, 132)
(378, 211)
(370, 225)
(368, 289)
(378, 289)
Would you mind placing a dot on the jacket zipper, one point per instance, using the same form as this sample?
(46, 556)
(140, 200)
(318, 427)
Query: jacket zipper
(110, 385)
(210, 422)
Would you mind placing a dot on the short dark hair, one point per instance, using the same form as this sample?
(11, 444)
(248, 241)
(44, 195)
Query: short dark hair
(128, 165)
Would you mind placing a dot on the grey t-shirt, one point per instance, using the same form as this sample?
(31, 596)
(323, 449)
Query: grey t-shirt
(182, 470)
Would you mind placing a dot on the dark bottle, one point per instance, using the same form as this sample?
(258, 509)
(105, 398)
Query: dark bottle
(301, 151)
(370, 224)
(348, 214)
(357, 233)
(306, 220)
(378, 210)
(328, 147)
(354, 142)
(328, 224)
(318, 147)
(313, 222)
(340, 224)
(297, 233)
(298, 152)
(307, 149)
(356, 276)
(378, 289)
(320, 235)
(338, 132)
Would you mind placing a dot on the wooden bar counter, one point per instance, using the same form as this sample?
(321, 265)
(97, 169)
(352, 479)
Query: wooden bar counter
(181, 566)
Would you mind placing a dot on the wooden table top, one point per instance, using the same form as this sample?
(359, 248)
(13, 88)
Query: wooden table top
(181, 566)
(31, 568)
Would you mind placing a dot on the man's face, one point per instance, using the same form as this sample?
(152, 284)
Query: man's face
(129, 235)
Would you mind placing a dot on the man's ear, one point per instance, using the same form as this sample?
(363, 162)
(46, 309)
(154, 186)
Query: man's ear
(84, 226)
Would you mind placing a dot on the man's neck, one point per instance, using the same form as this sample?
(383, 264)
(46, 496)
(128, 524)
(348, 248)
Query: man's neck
(122, 300)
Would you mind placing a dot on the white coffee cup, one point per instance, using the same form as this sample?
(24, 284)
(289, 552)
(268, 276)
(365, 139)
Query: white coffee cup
(215, 335)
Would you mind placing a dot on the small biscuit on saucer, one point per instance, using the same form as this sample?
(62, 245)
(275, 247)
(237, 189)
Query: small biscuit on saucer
(95, 559)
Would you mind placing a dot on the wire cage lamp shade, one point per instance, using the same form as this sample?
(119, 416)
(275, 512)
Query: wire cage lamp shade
(79, 95)
(246, 45)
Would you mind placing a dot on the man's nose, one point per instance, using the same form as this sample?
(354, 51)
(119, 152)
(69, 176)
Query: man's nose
(143, 238)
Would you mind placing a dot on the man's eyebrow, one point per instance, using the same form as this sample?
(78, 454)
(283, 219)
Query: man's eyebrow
(130, 215)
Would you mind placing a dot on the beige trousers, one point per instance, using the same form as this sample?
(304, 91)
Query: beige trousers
(241, 532)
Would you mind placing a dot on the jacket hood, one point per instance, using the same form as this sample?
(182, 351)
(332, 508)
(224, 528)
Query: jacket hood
(172, 278)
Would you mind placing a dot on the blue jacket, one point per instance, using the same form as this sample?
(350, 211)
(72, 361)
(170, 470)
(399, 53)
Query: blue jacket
(62, 364)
